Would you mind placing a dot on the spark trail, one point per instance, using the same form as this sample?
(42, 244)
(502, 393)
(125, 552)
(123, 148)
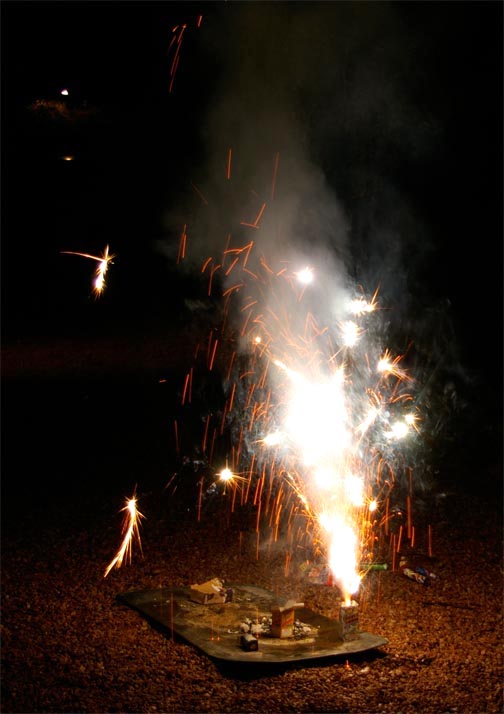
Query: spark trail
(104, 261)
(131, 531)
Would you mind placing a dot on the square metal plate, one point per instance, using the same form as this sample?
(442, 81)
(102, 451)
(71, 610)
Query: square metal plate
(215, 629)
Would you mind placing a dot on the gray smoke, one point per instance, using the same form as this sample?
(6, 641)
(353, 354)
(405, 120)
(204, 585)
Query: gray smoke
(326, 89)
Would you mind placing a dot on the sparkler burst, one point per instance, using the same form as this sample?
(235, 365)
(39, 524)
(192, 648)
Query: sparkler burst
(131, 531)
(104, 261)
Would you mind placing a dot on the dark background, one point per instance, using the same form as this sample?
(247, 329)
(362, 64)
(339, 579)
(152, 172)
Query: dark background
(143, 148)
(137, 154)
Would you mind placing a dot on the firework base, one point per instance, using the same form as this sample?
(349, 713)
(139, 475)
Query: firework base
(215, 629)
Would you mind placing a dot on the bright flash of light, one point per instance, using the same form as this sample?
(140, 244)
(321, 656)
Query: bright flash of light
(130, 530)
(386, 365)
(354, 487)
(411, 420)
(350, 332)
(342, 553)
(316, 417)
(230, 480)
(305, 276)
(369, 419)
(398, 430)
(359, 306)
(226, 474)
(273, 439)
(104, 261)
(316, 422)
(64, 92)
(325, 478)
(101, 271)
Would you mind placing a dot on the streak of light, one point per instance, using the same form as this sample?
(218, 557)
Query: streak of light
(104, 261)
(131, 531)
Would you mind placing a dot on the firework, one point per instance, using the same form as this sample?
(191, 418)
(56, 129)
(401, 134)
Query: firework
(104, 261)
(317, 413)
(131, 531)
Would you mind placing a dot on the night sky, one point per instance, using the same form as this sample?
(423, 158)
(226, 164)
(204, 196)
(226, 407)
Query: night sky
(387, 118)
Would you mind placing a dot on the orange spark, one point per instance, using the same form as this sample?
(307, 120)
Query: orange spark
(199, 193)
(228, 172)
(275, 170)
(182, 244)
(258, 217)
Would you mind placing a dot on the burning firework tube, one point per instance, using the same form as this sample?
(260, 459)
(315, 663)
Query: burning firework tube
(349, 617)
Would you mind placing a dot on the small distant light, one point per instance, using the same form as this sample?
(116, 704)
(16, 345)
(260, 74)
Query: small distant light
(68, 158)
(64, 92)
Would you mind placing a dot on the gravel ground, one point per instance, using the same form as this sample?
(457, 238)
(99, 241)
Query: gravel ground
(70, 645)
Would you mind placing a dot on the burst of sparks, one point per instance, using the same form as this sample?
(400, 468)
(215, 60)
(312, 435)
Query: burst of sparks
(226, 474)
(319, 444)
(315, 412)
(319, 447)
(360, 306)
(131, 531)
(386, 365)
(104, 261)
(230, 480)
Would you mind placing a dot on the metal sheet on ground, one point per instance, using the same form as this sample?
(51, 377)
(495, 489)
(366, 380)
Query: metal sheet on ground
(215, 629)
